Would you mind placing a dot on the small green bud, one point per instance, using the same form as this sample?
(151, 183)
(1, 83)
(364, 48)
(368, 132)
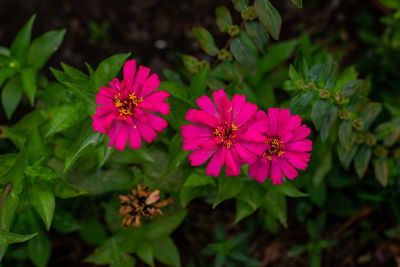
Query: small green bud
(224, 54)
(370, 139)
(233, 30)
(300, 84)
(358, 124)
(381, 151)
(338, 96)
(249, 13)
(344, 114)
(359, 139)
(324, 94)
(200, 65)
(12, 64)
(312, 86)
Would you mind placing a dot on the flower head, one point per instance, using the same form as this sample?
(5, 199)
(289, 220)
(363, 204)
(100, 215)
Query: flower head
(225, 131)
(141, 203)
(286, 148)
(126, 108)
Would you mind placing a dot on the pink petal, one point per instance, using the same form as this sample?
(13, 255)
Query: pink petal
(222, 101)
(129, 71)
(237, 103)
(256, 148)
(109, 119)
(273, 114)
(260, 170)
(150, 85)
(157, 123)
(146, 132)
(288, 169)
(205, 103)
(156, 97)
(298, 159)
(301, 133)
(299, 146)
(140, 79)
(122, 137)
(294, 123)
(115, 84)
(276, 173)
(246, 113)
(200, 156)
(98, 124)
(113, 133)
(193, 131)
(284, 118)
(253, 136)
(201, 117)
(193, 144)
(135, 140)
(216, 162)
(244, 154)
(232, 165)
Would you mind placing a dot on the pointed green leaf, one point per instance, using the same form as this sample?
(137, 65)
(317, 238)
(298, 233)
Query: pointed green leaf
(42, 199)
(9, 238)
(11, 95)
(164, 225)
(381, 168)
(228, 187)
(319, 111)
(298, 3)
(224, 19)
(39, 249)
(242, 210)
(29, 77)
(362, 159)
(243, 54)
(369, 113)
(108, 70)
(299, 102)
(166, 252)
(175, 89)
(240, 5)
(275, 203)
(258, 34)
(63, 117)
(43, 47)
(5, 73)
(269, 17)
(198, 84)
(346, 156)
(19, 47)
(349, 88)
(329, 121)
(189, 62)
(206, 41)
(145, 252)
(344, 133)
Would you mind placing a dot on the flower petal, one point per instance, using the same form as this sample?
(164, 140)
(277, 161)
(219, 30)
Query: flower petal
(216, 162)
(150, 85)
(200, 156)
(122, 137)
(129, 71)
(135, 140)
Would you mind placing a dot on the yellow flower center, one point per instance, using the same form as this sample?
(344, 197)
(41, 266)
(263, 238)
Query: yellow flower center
(226, 133)
(126, 106)
(275, 148)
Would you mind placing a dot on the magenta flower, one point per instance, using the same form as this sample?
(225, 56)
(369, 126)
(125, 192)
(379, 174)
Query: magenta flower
(226, 130)
(127, 106)
(286, 147)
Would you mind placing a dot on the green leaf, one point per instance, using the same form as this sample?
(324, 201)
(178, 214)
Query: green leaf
(228, 187)
(92, 231)
(242, 210)
(89, 142)
(224, 19)
(258, 34)
(189, 62)
(104, 152)
(175, 89)
(63, 117)
(298, 3)
(240, 5)
(206, 41)
(346, 156)
(178, 110)
(43, 47)
(275, 203)
(108, 70)
(119, 258)
(10, 238)
(329, 121)
(11, 95)
(42, 199)
(63, 189)
(381, 168)
(176, 156)
(102, 254)
(29, 76)
(276, 56)
(243, 54)
(19, 47)
(145, 252)
(252, 193)
(369, 113)
(318, 112)
(198, 84)
(166, 252)
(349, 88)
(64, 222)
(289, 190)
(299, 102)
(5, 73)
(362, 159)
(194, 186)
(164, 225)
(39, 249)
(6, 161)
(344, 133)
(7, 211)
(269, 17)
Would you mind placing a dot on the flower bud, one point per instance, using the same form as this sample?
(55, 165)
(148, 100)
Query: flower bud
(344, 114)
(233, 30)
(381, 151)
(359, 139)
(358, 124)
(370, 139)
(224, 54)
(338, 96)
(324, 94)
(249, 13)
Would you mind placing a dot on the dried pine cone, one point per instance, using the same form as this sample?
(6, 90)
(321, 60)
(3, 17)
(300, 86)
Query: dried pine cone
(141, 203)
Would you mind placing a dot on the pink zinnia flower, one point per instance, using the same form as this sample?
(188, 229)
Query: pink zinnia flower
(226, 130)
(286, 147)
(127, 107)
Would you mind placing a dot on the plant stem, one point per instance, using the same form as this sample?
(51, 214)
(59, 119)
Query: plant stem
(7, 190)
